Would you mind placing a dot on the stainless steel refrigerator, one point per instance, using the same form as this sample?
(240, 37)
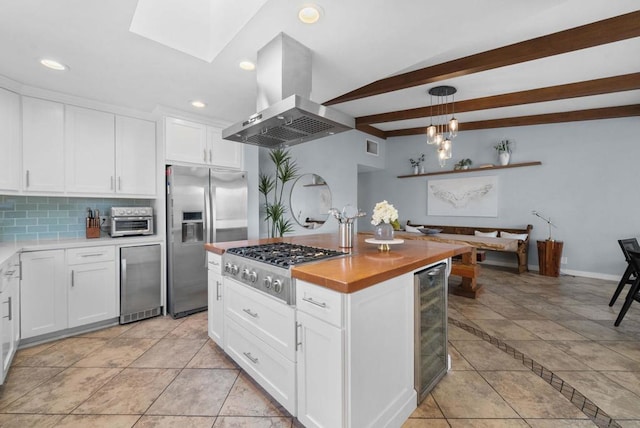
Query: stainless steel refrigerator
(203, 206)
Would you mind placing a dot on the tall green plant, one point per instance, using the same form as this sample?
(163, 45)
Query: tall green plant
(273, 185)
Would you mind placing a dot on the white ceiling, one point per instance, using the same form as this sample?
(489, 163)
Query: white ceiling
(355, 43)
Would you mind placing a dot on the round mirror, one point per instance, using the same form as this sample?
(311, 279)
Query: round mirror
(310, 201)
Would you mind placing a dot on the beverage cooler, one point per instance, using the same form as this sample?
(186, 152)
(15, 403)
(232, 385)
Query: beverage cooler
(431, 358)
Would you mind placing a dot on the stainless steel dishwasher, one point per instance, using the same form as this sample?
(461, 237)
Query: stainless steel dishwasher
(140, 283)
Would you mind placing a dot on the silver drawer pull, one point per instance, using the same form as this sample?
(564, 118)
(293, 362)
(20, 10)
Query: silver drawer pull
(253, 359)
(214, 263)
(92, 255)
(248, 311)
(313, 302)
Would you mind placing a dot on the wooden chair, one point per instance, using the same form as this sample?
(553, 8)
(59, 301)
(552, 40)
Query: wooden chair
(634, 291)
(630, 274)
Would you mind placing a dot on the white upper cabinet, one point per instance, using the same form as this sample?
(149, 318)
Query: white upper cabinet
(135, 156)
(42, 145)
(186, 141)
(196, 143)
(89, 149)
(9, 140)
(224, 153)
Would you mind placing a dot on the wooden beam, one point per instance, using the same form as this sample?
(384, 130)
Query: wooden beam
(372, 131)
(626, 82)
(538, 119)
(586, 36)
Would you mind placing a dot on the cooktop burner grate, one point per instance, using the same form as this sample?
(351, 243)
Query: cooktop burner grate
(283, 254)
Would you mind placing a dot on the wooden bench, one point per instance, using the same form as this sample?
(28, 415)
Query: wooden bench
(521, 249)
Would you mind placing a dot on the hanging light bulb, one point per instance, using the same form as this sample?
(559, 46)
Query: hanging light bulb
(453, 127)
(431, 134)
(446, 128)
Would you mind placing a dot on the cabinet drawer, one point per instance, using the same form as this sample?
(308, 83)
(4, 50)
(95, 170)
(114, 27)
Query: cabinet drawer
(76, 256)
(214, 262)
(321, 302)
(270, 369)
(270, 320)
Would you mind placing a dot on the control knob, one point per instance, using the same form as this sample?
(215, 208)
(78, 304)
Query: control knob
(267, 282)
(227, 267)
(245, 273)
(253, 276)
(234, 269)
(277, 286)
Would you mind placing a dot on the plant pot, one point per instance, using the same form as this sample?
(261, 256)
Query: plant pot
(416, 170)
(503, 157)
(383, 232)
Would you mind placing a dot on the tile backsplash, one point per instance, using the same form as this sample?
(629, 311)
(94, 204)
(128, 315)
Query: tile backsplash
(26, 218)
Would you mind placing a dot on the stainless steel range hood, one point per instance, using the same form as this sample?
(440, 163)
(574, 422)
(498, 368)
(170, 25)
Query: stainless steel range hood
(286, 116)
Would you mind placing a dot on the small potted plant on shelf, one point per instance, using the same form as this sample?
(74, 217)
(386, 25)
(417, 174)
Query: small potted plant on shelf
(416, 164)
(463, 164)
(504, 151)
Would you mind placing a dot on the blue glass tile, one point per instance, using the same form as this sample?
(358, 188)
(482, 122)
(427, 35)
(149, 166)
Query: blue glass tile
(15, 214)
(36, 229)
(37, 214)
(26, 221)
(26, 207)
(15, 229)
(26, 237)
(50, 235)
(47, 220)
(38, 199)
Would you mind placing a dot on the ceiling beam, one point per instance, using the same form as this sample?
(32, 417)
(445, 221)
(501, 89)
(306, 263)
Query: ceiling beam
(538, 119)
(371, 131)
(586, 36)
(605, 85)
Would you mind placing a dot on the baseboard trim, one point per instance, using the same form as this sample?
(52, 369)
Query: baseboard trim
(581, 273)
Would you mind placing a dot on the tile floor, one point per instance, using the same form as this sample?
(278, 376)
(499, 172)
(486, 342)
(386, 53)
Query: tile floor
(164, 372)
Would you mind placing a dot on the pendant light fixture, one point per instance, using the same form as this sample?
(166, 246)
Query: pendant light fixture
(446, 128)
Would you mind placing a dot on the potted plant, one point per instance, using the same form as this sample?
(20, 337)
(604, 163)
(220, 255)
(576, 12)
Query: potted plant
(463, 164)
(275, 210)
(415, 163)
(504, 151)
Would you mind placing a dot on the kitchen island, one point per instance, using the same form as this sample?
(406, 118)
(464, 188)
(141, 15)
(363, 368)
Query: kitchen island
(343, 354)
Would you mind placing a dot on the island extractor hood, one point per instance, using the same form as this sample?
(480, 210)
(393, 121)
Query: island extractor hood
(286, 116)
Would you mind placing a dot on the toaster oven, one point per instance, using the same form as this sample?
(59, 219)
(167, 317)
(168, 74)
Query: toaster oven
(131, 221)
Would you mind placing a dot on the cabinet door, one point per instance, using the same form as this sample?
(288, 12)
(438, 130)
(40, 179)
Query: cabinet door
(216, 308)
(135, 156)
(320, 373)
(92, 293)
(43, 307)
(186, 141)
(42, 145)
(223, 153)
(89, 150)
(9, 140)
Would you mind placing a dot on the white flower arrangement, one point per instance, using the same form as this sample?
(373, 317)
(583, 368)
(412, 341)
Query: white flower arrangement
(384, 212)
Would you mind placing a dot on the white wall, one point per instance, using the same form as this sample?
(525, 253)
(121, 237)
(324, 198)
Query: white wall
(586, 184)
(337, 160)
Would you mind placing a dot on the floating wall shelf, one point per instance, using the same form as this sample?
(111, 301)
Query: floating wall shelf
(460, 171)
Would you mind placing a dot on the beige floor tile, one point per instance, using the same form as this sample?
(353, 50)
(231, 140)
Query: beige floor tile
(98, 421)
(549, 330)
(210, 356)
(132, 391)
(628, 349)
(249, 422)
(594, 331)
(108, 333)
(553, 312)
(463, 394)
(175, 421)
(479, 312)
(190, 329)
(561, 423)
(153, 328)
(29, 421)
(531, 396)
(21, 380)
(630, 380)
(547, 355)
(456, 333)
(594, 312)
(596, 356)
(426, 423)
(629, 423)
(427, 409)
(63, 353)
(119, 352)
(516, 312)
(30, 351)
(63, 392)
(198, 315)
(247, 399)
(457, 360)
(485, 356)
(488, 423)
(169, 353)
(195, 392)
(505, 330)
(616, 402)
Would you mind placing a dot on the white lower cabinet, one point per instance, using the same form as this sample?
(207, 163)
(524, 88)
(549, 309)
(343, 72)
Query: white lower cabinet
(44, 293)
(93, 294)
(216, 302)
(10, 312)
(320, 373)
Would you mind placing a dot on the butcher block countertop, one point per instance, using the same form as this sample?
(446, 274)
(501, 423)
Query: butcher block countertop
(363, 266)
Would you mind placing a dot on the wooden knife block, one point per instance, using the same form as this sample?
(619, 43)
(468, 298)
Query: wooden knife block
(93, 232)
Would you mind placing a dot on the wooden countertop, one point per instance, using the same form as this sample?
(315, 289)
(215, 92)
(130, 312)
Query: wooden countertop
(363, 266)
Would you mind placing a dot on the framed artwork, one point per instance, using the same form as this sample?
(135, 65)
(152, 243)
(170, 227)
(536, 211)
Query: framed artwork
(468, 197)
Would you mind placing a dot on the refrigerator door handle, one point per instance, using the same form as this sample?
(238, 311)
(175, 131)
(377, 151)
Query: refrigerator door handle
(207, 219)
(123, 272)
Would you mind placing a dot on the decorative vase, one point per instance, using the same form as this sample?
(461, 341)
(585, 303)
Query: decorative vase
(416, 169)
(421, 169)
(503, 157)
(383, 232)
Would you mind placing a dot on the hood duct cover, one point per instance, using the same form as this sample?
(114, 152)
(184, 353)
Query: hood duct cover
(286, 116)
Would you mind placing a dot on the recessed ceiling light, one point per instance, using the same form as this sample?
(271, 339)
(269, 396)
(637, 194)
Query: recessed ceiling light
(247, 65)
(309, 13)
(53, 64)
(198, 104)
